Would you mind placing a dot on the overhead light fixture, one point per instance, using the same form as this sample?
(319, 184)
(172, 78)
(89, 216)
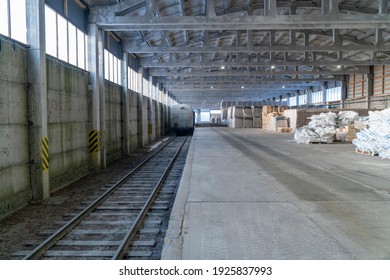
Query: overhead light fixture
(242, 87)
(283, 86)
(339, 66)
(212, 87)
(222, 67)
(272, 66)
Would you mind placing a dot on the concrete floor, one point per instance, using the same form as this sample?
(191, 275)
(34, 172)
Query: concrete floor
(252, 194)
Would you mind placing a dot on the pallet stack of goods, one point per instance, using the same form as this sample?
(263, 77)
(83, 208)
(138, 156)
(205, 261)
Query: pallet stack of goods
(375, 139)
(247, 117)
(321, 129)
(236, 119)
(301, 117)
(273, 119)
(346, 132)
(328, 128)
(256, 113)
(229, 116)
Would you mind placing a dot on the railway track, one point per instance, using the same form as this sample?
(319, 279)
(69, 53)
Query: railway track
(129, 220)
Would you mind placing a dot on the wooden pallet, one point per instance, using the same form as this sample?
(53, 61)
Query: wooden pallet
(364, 152)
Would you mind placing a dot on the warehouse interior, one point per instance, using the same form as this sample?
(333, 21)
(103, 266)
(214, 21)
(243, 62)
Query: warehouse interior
(84, 83)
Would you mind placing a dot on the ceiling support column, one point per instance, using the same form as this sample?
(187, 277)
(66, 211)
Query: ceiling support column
(125, 105)
(95, 135)
(37, 100)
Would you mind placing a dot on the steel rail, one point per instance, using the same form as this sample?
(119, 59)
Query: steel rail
(38, 251)
(126, 241)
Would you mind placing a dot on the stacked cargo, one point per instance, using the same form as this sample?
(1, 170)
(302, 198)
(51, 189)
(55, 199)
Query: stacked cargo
(327, 128)
(321, 129)
(247, 117)
(375, 139)
(256, 113)
(273, 119)
(235, 118)
(346, 131)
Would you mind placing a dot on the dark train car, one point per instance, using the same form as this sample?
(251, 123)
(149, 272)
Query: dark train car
(182, 119)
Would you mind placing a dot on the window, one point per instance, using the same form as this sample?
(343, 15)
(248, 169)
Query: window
(205, 116)
(145, 87)
(333, 94)
(106, 65)
(18, 20)
(133, 79)
(51, 31)
(81, 50)
(64, 40)
(112, 65)
(4, 17)
(13, 19)
(292, 101)
(62, 29)
(302, 99)
(317, 97)
(72, 33)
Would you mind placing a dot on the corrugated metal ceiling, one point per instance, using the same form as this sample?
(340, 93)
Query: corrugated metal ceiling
(196, 48)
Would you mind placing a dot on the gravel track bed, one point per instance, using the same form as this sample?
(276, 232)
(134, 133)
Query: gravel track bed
(27, 224)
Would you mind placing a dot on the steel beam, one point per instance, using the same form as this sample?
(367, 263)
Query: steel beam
(108, 19)
(130, 48)
(150, 63)
(161, 73)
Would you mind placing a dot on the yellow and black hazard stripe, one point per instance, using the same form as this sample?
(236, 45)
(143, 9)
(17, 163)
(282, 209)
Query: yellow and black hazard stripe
(94, 141)
(150, 128)
(45, 153)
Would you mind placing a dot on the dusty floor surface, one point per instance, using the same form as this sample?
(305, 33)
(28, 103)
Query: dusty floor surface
(27, 224)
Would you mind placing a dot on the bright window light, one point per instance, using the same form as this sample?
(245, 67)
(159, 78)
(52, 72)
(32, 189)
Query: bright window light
(111, 64)
(4, 17)
(119, 72)
(80, 49)
(106, 65)
(62, 39)
(51, 31)
(115, 70)
(18, 20)
(72, 44)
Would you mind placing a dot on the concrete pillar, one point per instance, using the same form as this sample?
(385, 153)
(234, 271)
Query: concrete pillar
(370, 82)
(324, 88)
(344, 93)
(151, 112)
(102, 95)
(309, 97)
(140, 112)
(151, 120)
(125, 100)
(198, 116)
(94, 87)
(37, 100)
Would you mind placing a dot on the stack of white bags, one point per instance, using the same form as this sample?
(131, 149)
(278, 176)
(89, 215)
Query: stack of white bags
(375, 138)
(321, 128)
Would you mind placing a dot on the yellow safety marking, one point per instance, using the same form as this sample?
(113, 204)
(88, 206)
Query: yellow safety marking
(45, 154)
(150, 128)
(94, 141)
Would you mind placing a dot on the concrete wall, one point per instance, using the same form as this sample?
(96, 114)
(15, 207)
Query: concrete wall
(14, 151)
(145, 120)
(113, 121)
(133, 136)
(359, 95)
(67, 122)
